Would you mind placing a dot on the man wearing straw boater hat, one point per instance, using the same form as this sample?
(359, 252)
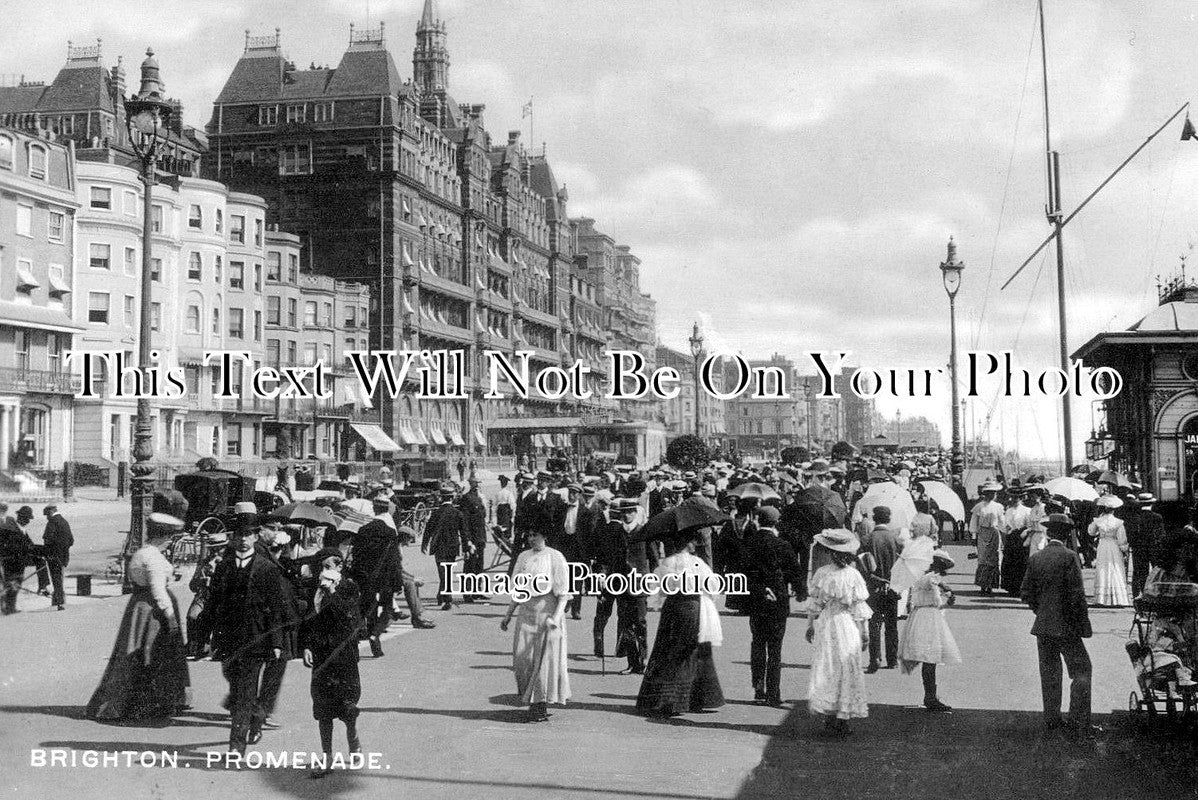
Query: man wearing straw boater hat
(1053, 587)
(1145, 531)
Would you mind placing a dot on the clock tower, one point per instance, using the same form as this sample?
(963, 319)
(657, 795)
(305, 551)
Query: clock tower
(430, 59)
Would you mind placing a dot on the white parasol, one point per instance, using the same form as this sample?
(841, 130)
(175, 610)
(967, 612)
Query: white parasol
(894, 497)
(913, 563)
(1071, 489)
(948, 500)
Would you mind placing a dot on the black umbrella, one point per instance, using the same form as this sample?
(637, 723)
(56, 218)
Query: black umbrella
(686, 516)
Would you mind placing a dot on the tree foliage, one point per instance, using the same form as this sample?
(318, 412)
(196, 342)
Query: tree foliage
(687, 452)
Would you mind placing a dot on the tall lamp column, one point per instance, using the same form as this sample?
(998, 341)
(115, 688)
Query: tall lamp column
(146, 116)
(950, 270)
(696, 342)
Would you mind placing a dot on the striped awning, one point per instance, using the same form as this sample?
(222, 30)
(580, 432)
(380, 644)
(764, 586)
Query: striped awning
(437, 436)
(455, 438)
(375, 437)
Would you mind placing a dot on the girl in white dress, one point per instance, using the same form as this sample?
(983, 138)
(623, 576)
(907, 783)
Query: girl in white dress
(1110, 571)
(837, 616)
(926, 638)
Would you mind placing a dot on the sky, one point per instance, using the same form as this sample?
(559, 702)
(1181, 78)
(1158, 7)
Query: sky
(790, 172)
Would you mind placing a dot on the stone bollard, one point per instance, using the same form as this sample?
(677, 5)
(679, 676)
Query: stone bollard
(68, 481)
(83, 585)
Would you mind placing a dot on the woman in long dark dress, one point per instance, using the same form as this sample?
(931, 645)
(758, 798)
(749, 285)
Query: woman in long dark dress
(329, 637)
(681, 673)
(147, 674)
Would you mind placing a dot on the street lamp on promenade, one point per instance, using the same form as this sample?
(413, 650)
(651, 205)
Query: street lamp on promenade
(951, 269)
(696, 342)
(146, 116)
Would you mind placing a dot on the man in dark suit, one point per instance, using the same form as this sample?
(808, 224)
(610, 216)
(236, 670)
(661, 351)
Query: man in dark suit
(248, 615)
(1145, 532)
(1053, 587)
(617, 552)
(57, 542)
(16, 549)
(445, 538)
(884, 548)
(377, 568)
(566, 536)
(474, 516)
(814, 509)
(527, 511)
(771, 568)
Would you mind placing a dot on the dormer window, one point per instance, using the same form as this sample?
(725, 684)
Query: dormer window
(268, 115)
(297, 112)
(37, 162)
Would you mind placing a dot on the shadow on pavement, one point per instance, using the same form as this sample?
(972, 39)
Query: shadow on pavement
(971, 753)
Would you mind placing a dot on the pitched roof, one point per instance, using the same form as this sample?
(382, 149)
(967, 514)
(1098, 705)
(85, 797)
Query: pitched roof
(77, 88)
(365, 72)
(253, 78)
(17, 99)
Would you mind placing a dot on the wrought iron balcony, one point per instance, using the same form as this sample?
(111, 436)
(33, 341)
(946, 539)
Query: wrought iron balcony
(16, 379)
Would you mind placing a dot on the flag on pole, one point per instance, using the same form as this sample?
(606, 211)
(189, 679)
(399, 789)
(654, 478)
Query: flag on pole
(527, 112)
(1188, 133)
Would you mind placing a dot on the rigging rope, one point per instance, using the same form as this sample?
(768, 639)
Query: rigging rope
(1007, 182)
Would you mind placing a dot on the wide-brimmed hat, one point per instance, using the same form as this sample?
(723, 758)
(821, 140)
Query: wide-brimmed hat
(943, 556)
(624, 504)
(245, 507)
(1058, 521)
(1145, 498)
(217, 539)
(165, 522)
(839, 539)
(990, 486)
(1108, 501)
(819, 467)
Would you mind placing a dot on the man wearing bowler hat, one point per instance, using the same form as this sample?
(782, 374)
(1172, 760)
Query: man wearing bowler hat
(1053, 587)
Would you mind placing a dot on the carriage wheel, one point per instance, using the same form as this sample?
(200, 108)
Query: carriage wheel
(420, 515)
(208, 526)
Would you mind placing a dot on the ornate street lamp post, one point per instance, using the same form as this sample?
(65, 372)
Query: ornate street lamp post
(951, 270)
(146, 116)
(696, 342)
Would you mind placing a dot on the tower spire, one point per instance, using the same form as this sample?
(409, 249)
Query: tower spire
(430, 59)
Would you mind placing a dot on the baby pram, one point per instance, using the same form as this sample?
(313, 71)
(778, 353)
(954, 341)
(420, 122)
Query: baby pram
(1162, 646)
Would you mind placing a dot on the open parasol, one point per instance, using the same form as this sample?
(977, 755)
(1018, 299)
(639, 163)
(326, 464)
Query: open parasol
(304, 514)
(685, 516)
(894, 497)
(945, 498)
(911, 564)
(753, 491)
(1071, 489)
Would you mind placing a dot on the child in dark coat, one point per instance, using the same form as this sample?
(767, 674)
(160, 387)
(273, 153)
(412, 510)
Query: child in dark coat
(329, 636)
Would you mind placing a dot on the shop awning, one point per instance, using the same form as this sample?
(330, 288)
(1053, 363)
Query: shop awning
(478, 437)
(456, 439)
(407, 435)
(374, 436)
(418, 435)
(438, 436)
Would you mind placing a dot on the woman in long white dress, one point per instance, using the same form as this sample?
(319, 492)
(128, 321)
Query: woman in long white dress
(837, 616)
(1110, 570)
(539, 641)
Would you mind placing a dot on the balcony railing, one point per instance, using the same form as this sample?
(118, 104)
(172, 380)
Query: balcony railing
(16, 379)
